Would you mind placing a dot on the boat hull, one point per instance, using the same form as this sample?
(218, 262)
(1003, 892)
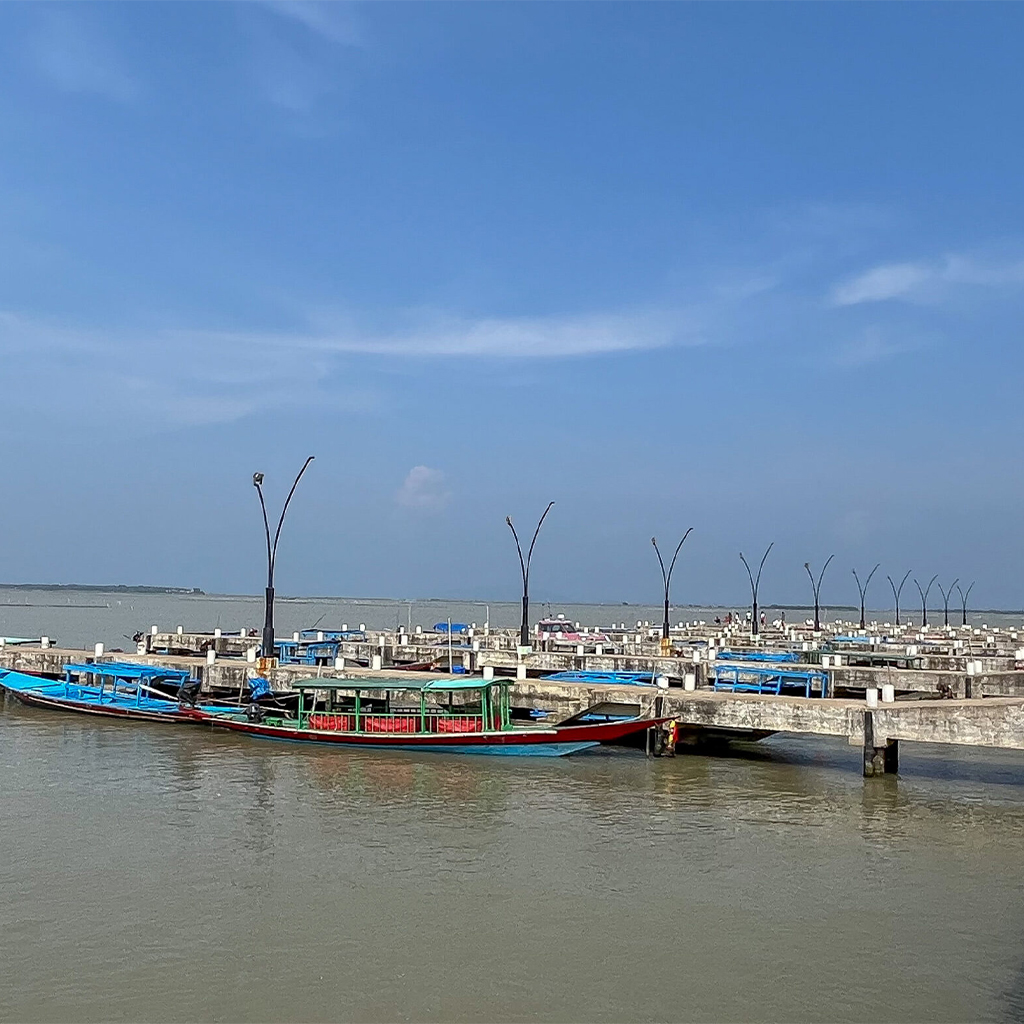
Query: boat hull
(554, 742)
(32, 690)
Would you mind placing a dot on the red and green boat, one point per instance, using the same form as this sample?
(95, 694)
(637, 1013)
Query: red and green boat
(456, 716)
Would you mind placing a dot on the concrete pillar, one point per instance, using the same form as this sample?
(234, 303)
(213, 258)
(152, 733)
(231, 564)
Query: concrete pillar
(488, 673)
(377, 663)
(153, 631)
(44, 642)
(98, 650)
(878, 760)
(690, 681)
(520, 671)
(217, 633)
(250, 655)
(211, 657)
(339, 664)
(181, 630)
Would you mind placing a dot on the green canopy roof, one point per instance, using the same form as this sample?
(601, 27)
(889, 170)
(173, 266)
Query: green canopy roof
(429, 685)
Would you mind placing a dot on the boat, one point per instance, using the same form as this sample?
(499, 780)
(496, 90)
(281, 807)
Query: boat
(456, 716)
(112, 689)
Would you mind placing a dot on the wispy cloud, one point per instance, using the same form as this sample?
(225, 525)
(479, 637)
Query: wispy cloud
(926, 280)
(194, 376)
(334, 22)
(551, 337)
(423, 489)
(875, 345)
(75, 58)
(886, 282)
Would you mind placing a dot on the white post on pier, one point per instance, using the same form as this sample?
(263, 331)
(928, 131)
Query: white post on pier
(98, 650)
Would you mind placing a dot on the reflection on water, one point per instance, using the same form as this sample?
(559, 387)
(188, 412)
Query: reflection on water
(172, 873)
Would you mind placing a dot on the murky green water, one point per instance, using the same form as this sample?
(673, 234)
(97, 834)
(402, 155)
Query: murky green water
(155, 872)
(169, 873)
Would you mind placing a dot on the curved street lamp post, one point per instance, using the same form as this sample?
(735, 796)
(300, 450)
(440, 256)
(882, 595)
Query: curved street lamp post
(524, 565)
(963, 600)
(816, 587)
(268, 617)
(896, 591)
(924, 598)
(946, 595)
(863, 590)
(667, 577)
(755, 585)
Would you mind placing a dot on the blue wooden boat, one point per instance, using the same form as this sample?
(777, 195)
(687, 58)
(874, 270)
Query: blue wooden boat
(112, 689)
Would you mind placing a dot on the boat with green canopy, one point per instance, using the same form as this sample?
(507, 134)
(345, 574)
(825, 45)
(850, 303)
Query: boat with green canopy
(451, 715)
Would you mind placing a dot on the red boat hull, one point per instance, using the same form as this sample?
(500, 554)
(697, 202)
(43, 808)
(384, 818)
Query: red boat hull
(556, 741)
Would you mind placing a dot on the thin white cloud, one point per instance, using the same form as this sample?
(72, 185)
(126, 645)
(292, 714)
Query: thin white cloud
(332, 21)
(890, 281)
(423, 489)
(551, 337)
(927, 281)
(188, 377)
(873, 345)
(76, 59)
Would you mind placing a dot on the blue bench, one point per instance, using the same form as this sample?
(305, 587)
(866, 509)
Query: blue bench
(768, 679)
(773, 656)
(612, 678)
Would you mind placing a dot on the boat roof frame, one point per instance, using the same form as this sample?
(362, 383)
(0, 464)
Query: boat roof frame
(125, 670)
(424, 685)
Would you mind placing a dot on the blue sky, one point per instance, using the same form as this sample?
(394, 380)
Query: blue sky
(756, 269)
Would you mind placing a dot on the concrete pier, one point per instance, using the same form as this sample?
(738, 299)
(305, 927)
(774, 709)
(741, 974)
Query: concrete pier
(701, 714)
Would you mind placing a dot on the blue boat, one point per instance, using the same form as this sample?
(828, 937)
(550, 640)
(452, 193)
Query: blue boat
(112, 689)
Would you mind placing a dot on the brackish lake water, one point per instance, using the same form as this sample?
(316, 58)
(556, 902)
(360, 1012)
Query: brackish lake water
(155, 872)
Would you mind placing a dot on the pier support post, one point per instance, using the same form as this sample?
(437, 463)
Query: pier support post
(878, 760)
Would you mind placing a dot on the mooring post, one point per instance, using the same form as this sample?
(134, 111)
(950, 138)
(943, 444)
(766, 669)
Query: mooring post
(878, 760)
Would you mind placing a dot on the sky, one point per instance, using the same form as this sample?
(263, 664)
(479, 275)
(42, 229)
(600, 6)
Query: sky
(756, 269)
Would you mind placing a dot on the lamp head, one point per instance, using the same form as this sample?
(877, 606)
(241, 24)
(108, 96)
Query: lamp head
(257, 479)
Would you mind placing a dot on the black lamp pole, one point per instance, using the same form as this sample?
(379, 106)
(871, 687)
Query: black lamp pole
(946, 595)
(924, 598)
(755, 584)
(268, 618)
(667, 577)
(863, 590)
(524, 565)
(816, 587)
(896, 591)
(963, 600)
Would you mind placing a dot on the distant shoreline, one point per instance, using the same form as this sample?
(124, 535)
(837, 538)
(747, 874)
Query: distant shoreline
(122, 588)
(91, 588)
